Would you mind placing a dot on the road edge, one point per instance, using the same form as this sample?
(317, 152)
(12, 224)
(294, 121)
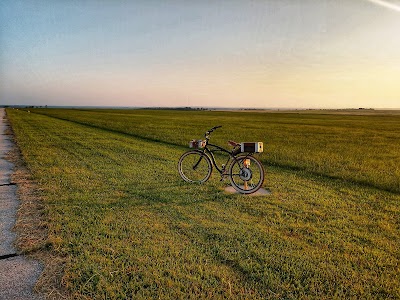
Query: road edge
(31, 227)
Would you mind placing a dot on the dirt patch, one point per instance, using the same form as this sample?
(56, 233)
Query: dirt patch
(260, 192)
(32, 230)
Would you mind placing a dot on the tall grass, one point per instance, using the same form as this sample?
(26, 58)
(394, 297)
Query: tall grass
(131, 228)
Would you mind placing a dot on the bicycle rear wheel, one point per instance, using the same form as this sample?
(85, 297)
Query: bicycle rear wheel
(194, 166)
(246, 174)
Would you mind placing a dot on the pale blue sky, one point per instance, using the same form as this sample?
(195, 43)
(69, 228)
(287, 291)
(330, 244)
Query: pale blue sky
(288, 53)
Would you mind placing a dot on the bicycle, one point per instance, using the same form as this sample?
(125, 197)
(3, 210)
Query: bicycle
(245, 172)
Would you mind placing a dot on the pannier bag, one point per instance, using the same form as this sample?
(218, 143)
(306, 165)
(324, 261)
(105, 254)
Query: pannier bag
(256, 147)
(197, 144)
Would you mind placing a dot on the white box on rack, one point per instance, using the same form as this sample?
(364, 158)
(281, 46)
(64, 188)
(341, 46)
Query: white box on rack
(256, 147)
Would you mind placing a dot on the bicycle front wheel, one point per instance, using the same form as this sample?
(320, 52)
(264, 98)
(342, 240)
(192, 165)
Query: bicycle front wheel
(246, 174)
(194, 166)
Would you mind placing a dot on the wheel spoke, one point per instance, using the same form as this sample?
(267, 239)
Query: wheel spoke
(246, 174)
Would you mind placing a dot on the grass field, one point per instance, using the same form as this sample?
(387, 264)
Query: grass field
(129, 227)
(361, 149)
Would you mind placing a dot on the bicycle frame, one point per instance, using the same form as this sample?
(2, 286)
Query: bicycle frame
(210, 154)
(215, 148)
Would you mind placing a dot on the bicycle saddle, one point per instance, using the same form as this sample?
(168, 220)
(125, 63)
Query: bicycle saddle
(233, 143)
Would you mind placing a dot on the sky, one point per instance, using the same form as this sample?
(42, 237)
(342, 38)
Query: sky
(251, 54)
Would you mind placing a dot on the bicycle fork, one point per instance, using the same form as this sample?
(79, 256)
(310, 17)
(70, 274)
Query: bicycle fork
(197, 164)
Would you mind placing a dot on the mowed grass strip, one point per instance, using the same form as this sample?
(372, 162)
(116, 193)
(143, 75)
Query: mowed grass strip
(361, 149)
(130, 228)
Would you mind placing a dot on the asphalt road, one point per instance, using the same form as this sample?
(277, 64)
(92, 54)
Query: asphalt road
(18, 274)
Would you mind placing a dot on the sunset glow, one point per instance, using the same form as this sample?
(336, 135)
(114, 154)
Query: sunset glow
(227, 54)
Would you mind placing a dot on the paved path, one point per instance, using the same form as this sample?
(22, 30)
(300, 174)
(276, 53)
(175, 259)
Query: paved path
(18, 274)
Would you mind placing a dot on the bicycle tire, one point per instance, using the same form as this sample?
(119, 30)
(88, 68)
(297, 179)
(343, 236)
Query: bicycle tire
(195, 167)
(245, 176)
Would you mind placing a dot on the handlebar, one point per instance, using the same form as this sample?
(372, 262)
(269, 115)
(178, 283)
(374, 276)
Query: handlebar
(215, 127)
(208, 132)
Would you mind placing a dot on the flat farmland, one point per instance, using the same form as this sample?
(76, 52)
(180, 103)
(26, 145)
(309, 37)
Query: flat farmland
(127, 226)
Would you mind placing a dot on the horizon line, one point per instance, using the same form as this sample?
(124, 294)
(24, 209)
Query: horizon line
(193, 107)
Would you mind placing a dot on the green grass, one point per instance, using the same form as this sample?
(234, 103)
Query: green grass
(131, 228)
(361, 149)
